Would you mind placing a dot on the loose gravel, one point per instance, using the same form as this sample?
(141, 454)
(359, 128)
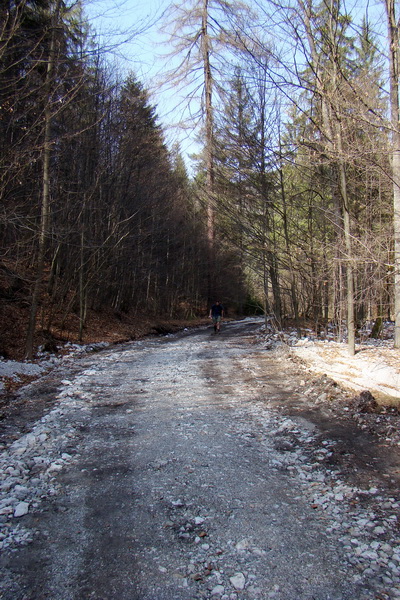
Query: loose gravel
(167, 471)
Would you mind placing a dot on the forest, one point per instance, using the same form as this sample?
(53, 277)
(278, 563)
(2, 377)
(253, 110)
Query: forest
(293, 206)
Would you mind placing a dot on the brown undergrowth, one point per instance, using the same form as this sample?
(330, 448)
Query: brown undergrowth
(57, 325)
(104, 326)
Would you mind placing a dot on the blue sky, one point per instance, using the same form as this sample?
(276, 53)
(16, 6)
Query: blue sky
(133, 32)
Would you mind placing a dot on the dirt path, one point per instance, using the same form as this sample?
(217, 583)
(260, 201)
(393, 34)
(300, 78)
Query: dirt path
(183, 479)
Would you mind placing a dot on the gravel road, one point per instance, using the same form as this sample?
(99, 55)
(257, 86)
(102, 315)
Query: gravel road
(166, 470)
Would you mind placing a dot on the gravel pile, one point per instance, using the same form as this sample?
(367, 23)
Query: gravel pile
(28, 473)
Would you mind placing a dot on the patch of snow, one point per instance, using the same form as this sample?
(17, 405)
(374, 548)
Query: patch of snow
(375, 367)
(12, 368)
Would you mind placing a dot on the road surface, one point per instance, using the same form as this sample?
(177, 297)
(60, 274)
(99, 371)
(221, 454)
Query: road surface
(169, 469)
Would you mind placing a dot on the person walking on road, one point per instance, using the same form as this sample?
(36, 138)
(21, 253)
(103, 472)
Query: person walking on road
(216, 314)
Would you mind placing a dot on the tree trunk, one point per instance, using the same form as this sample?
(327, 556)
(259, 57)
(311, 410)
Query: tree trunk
(205, 41)
(293, 286)
(209, 129)
(45, 208)
(82, 291)
(267, 308)
(393, 33)
(349, 266)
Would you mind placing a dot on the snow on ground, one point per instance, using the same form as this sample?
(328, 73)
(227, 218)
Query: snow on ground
(11, 369)
(375, 367)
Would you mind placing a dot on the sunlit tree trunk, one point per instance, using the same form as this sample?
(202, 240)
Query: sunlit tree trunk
(208, 123)
(349, 263)
(393, 32)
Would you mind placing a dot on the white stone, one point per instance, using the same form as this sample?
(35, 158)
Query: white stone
(370, 554)
(21, 509)
(55, 467)
(258, 551)
(242, 545)
(30, 439)
(217, 590)
(379, 530)
(238, 581)
(177, 503)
